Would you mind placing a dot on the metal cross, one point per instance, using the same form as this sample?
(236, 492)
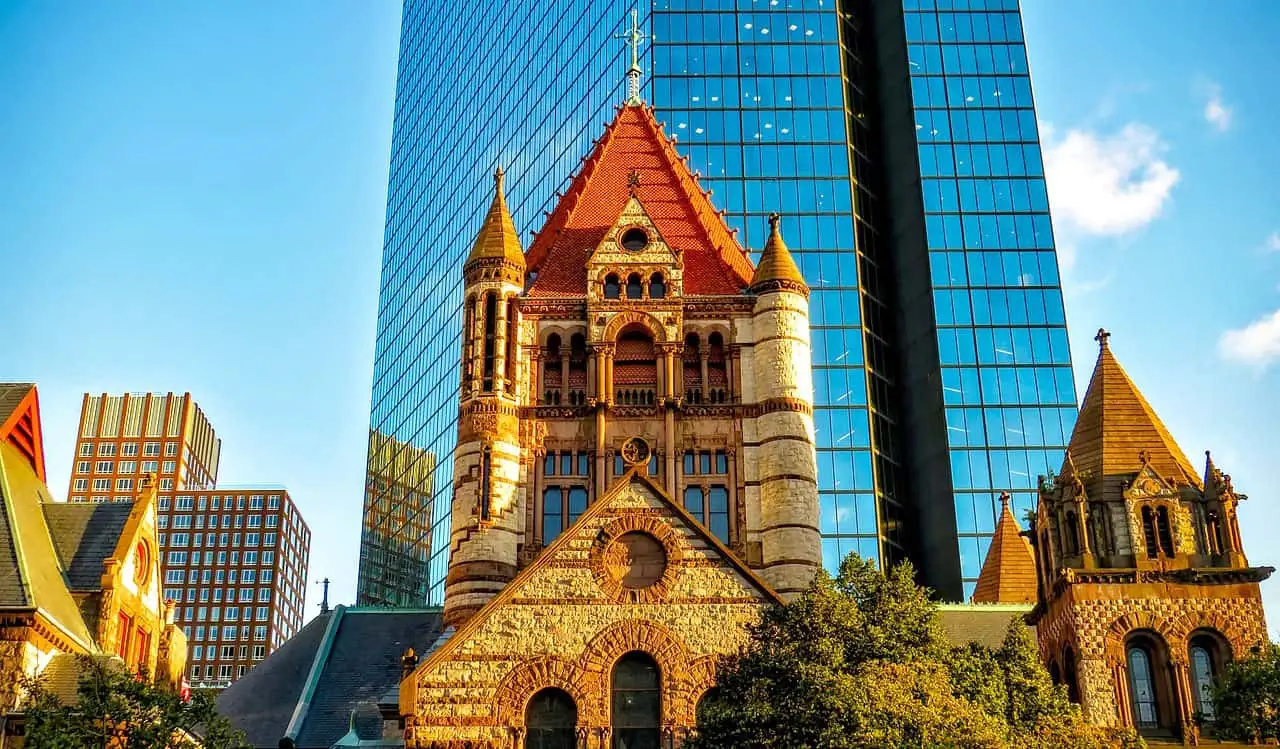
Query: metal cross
(633, 38)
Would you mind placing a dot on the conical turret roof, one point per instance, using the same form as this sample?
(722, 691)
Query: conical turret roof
(1009, 571)
(497, 238)
(1116, 426)
(776, 264)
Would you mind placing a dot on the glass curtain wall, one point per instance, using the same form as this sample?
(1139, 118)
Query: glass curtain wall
(1002, 340)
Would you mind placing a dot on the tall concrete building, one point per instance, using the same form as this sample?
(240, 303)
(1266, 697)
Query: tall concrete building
(234, 558)
(899, 140)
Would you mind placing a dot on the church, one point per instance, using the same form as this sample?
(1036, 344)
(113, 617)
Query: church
(635, 476)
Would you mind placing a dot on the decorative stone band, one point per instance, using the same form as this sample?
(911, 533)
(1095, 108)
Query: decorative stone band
(480, 570)
(794, 287)
(784, 477)
(801, 562)
(784, 403)
(781, 526)
(493, 269)
(792, 338)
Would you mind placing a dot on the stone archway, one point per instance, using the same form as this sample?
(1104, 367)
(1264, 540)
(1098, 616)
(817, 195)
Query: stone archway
(530, 677)
(645, 636)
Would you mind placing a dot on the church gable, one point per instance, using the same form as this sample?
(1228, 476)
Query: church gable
(633, 261)
(634, 573)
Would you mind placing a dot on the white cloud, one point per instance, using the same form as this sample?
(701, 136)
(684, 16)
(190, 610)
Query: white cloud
(1107, 185)
(1216, 113)
(1257, 343)
(1273, 242)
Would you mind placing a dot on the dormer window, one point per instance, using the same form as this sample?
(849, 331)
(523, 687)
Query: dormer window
(634, 240)
(657, 286)
(635, 288)
(612, 287)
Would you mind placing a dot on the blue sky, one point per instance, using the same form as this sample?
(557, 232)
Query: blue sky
(192, 198)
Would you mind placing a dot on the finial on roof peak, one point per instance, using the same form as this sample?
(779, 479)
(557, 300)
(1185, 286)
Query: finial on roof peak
(633, 38)
(777, 269)
(1102, 338)
(774, 219)
(1004, 501)
(498, 174)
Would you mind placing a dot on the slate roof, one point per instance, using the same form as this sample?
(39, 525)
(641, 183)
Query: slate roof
(84, 535)
(634, 146)
(1009, 571)
(985, 624)
(1116, 424)
(309, 686)
(31, 575)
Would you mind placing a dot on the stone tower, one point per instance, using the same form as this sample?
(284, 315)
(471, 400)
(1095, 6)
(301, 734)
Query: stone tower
(488, 493)
(1145, 592)
(635, 478)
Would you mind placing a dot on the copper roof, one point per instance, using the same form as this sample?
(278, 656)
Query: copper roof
(1009, 571)
(1116, 426)
(776, 263)
(633, 155)
(497, 237)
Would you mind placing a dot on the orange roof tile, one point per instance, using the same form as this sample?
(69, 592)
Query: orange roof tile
(1116, 424)
(1009, 571)
(714, 262)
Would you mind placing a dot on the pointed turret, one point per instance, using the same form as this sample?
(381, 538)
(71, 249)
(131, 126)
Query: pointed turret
(1116, 424)
(497, 239)
(777, 269)
(1009, 571)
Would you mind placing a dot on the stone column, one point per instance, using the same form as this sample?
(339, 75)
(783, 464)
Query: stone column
(535, 376)
(564, 375)
(669, 448)
(1082, 522)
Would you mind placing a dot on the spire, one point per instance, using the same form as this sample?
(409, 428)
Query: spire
(1009, 571)
(497, 238)
(1116, 425)
(634, 37)
(777, 269)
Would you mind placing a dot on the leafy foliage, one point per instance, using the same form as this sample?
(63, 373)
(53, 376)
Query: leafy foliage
(861, 661)
(1246, 699)
(115, 708)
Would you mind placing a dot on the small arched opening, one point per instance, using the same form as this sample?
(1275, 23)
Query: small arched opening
(657, 286)
(1208, 654)
(612, 286)
(635, 287)
(578, 370)
(692, 366)
(717, 370)
(551, 721)
(551, 371)
(635, 368)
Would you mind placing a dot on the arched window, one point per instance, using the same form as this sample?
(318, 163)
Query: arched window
(1208, 656)
(635, 368)
(1164, 530)
(512, 347)
(468, 339)
(1072, 534)
(551, 371)
(490, 339)
(1069, 674)
(1151, 693)
(717, 373)
(551, 721)
(578, 370)
(1142, 688)
(612, 287)
(1149, 532)
(692, 364)
(637, 704)
(635, 288)
(657, 286)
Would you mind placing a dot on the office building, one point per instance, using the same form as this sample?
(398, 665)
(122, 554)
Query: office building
(125, 437)
(899, 141)
(234, 558)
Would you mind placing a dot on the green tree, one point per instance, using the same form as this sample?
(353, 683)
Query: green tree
(860, 661)
(114, 708)
(1246, 700)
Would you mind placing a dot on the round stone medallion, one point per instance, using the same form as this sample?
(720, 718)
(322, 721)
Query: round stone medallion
(635, 560)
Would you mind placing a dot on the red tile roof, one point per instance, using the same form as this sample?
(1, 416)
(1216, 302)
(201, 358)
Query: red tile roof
(1009, 571)
(714, 262)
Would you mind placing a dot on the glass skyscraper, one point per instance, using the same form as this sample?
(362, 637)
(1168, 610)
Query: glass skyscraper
(898, 139)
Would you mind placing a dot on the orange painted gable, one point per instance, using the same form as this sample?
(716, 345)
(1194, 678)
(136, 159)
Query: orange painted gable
(714, 262)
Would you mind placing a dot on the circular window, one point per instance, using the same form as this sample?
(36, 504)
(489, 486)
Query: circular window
(635, 560)
(635, 450)
(634, 240)
(141, 563)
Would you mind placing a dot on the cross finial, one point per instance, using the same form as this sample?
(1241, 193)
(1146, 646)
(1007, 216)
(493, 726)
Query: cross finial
(633, 38)
(1004, 501)
(1102, 337)
(774, 218)
(324, 602)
